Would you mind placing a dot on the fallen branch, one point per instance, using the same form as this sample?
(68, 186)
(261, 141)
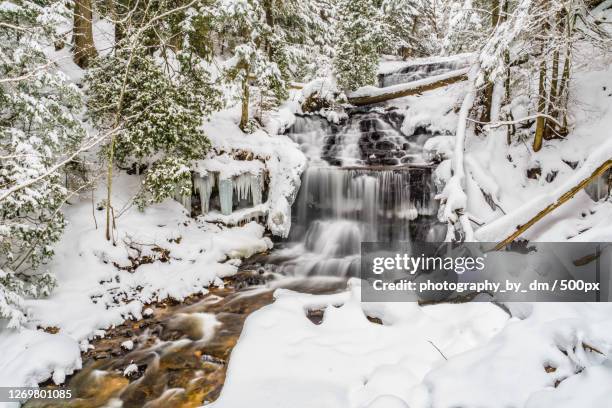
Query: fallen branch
(494, 125)
(359, 98)
(561, 200)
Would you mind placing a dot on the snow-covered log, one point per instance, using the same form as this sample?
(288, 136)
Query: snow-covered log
(514, 224)
(369, 94)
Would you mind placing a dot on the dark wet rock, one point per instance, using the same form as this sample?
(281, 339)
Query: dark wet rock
(534, 173)
(315, 316)
(385, 145)
(550, 177)
(390, 162)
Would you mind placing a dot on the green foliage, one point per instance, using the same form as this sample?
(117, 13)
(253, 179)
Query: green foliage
(38, 126)
(169, 177)
(357, 44)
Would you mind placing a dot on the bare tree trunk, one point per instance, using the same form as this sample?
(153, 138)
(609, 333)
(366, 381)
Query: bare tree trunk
(541, 121)
(84, 48)
(488, 92)
(244, 117)
(549, 132)
(565, 76)
(109, 187)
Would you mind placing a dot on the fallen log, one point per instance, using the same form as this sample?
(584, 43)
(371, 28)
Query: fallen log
(370, 95)
(599, 171)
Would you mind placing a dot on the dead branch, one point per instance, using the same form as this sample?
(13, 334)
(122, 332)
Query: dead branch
(560, 201)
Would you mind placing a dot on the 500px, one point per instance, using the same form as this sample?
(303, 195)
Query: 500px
(578, 285)
(10, 394)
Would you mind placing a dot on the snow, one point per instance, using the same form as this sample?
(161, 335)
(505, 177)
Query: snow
(32, 356)
(227, 167)
(281, 356)
(130, 370)
(127, 345)
(587, 144)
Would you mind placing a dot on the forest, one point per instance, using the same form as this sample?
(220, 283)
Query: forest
(188, 190)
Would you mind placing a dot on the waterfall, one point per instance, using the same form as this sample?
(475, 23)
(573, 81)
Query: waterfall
(366, 181)
(384, 203)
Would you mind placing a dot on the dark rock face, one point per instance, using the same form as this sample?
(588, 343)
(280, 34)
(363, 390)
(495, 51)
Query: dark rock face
(365, 137)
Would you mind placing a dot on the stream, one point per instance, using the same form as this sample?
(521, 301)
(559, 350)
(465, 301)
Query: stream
(366, 181)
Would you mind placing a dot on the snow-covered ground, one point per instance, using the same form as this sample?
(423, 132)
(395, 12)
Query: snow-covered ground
(93, 294)
(461, 355)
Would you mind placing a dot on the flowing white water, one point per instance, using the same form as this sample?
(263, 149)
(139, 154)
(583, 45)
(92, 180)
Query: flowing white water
(339, 207)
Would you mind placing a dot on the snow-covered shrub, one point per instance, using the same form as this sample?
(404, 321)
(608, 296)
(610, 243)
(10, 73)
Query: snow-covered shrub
(169, 177)
(38, 127)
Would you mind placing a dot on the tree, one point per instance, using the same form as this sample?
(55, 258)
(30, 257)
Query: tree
(357, 44)
(410, 27)
(540, 36)
(82, 33)
(38, 124)
(254, 50)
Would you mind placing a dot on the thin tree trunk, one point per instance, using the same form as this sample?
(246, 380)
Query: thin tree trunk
(109, 187)
(488, 92)
(549, 133)
(244, 117)
(563, 87)
(541, 121)
(84, 48)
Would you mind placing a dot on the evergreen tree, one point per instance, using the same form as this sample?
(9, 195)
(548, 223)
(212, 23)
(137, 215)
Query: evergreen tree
(357, 43)
(37, 127)
(255, 47)
(410, 27)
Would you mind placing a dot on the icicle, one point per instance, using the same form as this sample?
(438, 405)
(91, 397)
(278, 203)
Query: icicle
(242, 186)
(257, 189)
(204, 186)
(226, 193)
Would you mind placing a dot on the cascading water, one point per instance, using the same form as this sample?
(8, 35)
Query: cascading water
(366, 181)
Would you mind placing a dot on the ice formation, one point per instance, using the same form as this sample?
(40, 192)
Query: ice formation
(204, 185)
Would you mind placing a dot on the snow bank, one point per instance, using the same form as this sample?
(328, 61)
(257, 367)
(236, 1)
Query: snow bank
(283, 359)
(504, 226)
(443, 356)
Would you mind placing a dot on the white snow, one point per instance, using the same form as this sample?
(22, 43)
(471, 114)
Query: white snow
(127, 345)
(130, 370)
(282, 357)
(442, 356)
